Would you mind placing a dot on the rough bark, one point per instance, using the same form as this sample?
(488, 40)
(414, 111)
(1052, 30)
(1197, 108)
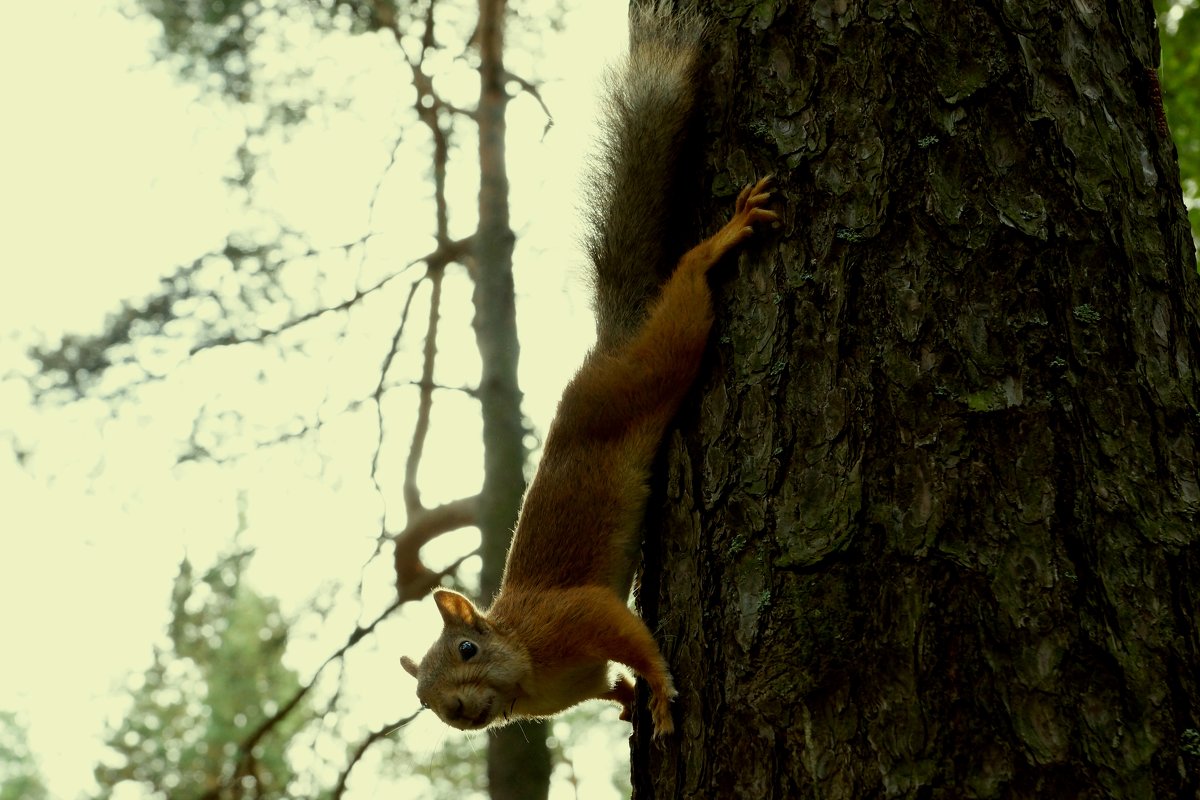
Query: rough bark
(930, 526)
(518, 759)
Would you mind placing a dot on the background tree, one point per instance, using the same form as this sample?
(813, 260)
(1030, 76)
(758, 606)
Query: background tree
(219, 676)
(20, 778)
(1179, 32)
(245, 293)
(930, 530)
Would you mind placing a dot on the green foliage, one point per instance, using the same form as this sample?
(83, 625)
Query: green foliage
(19, 776)
(218, 679)
(1179, 34)
(167, 321)
(221, 41)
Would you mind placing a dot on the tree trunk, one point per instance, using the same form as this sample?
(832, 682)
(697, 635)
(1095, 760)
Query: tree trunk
(518, 759)
(930, 528)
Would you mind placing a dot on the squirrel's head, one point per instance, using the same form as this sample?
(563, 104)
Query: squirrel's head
(471, 676)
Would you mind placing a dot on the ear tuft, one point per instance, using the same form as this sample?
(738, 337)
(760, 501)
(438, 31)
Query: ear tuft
(409, 665)
(456, 609)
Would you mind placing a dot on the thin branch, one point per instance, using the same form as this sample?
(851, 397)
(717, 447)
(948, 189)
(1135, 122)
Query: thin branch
(533, 91)
(412, 493)
(449, 251)
(361, 749)
(437, 256)
(246, 746)
(428, 106)
(379, 390)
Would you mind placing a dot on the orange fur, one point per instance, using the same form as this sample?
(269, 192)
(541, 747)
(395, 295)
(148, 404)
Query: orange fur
(561, 615)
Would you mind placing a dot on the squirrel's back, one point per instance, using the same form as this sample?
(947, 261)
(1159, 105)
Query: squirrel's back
(649, 101)
(562, 614)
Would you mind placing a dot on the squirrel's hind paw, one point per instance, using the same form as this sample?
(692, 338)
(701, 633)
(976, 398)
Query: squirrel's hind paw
(660, 710)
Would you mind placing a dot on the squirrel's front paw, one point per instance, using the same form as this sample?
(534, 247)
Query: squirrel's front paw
(749, 209)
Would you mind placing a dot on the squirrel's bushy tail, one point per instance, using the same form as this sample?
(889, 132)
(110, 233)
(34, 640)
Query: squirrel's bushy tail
(647, 107)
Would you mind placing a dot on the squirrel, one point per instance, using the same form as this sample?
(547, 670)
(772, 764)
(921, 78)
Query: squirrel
(561, 613)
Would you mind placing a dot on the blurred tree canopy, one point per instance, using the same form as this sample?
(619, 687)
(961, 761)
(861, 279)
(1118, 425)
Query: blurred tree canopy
(275, 300)
(1179, 33)
(217, 679)
(20, 778)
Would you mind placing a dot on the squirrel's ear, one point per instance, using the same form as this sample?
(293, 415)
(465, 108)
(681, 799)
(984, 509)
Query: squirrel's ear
(456, 609)
(409, 665)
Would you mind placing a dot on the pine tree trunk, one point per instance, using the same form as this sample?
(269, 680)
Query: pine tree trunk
(518, 759)
(930, 527)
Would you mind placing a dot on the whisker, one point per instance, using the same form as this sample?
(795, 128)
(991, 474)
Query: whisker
(441, 746)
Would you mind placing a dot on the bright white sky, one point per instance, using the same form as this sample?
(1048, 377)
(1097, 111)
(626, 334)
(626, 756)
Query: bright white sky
(111, 176)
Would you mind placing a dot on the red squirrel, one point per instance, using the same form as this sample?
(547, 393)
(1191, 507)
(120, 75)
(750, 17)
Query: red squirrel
(561, 614)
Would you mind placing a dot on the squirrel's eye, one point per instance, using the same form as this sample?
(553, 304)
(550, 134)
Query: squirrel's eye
(467, 649)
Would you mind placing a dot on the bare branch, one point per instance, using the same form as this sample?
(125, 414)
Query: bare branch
(361, 749)
(379, 388)
(246, 759)
(413, 579)
(437, 256)
(533, 91)
(469, 391)
(412, 493)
